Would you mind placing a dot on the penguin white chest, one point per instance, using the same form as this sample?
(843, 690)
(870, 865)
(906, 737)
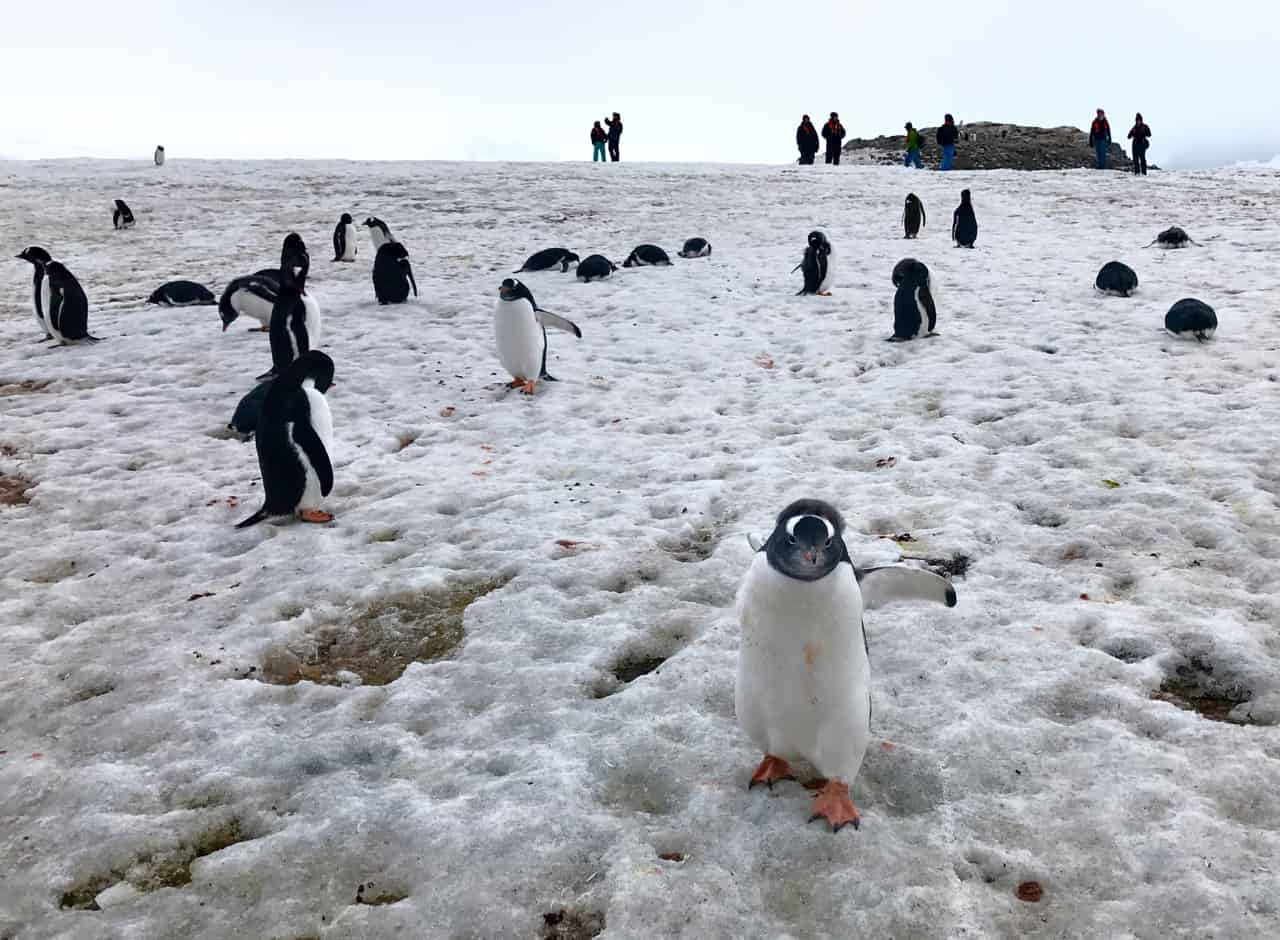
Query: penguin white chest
(829, 275)
(248, 304)
(312, 307)
(520, 339)
(42, 310)
(322, 423)
(349, 242)
(803, 687)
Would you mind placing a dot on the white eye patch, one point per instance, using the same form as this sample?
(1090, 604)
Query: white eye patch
(795, 520)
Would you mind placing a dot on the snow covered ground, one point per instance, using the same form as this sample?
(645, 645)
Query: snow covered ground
(563, 757)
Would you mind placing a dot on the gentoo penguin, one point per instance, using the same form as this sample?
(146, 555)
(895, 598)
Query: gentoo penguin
(643, 255)
(159, 156)
(804, 677)
(393, 274)
(344, 239)
(1173, 237)
(379, 234)
(68, 309)
(1191, 316)
(914, 314)
(816, 266)
(549, 258)
(913, 217)
(38, 258)
(182, 294)
(964, 224)
(520, 329)
(294, 439)
(695, 248)
(1116, 279)
(595, 266)
(253, 295)
(295, 317)
(249, 412)
(121, 217)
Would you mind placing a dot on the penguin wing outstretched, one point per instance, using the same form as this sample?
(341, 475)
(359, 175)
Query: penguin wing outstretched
(547, 318)
(305, 436)
(889, 583)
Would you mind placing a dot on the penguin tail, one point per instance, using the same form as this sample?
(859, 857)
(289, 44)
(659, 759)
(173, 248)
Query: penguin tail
(1150, 243)
(797, 267)
(547, 377)
(254, 519)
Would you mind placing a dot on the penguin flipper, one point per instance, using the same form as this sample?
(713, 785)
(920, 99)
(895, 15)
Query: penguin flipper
(305, 436)
(254, 519)
(886, 584)
(547, 318)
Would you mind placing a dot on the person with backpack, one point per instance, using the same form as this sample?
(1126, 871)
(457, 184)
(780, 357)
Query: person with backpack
(806, 140)
(615, 136)
(1100, 138)
(598, 138)
(1141, 137)
(833, 133)
(913, 148)
(946, 137)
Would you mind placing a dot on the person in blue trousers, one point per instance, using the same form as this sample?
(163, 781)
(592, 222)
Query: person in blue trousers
(1100, 138)
(947, 135)
(598, 137)
(913, 148)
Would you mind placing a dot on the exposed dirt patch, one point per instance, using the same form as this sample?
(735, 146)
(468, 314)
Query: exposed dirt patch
(370, 893)
(569, 924)
(23, 387)
(1195, 687)
(644, 656)
(629, 670)
(14, 490)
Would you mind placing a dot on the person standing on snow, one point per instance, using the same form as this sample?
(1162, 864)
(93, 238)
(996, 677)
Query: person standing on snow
(833, 133)
(1100, 138)
(615, 136)
(913, 148)
(807, 140)
(946, 137)
(1141, 137)
(598, 137)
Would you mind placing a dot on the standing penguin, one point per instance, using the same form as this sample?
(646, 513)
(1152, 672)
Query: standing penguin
(68, 307)
(914, 314)
(393, 274)
(294, 440)
(913, 216)
(159, 156)
(344, 239)
(253, 295)
(295, 317)
(964, 224)
(804, 677)
(816, 266)
(379, 234)
(38, 258)
(121, 217)
(520, 329)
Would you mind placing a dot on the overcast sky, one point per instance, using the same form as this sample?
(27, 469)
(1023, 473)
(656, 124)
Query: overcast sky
(704, 81)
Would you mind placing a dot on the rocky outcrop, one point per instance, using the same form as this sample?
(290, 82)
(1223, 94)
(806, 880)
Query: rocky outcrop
(989, 146)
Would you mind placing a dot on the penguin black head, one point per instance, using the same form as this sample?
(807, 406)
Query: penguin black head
(36, 255)
(313, 365)
(807, 541)
(912, 198)
(570, 256)
(964, 197)
(818, 241)
(512, 289)
(909, 270)
(346, 219)
(295, 262)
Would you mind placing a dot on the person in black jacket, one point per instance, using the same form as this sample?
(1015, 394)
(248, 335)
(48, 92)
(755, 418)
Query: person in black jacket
(946, 136)
(807, 140)
(833, 133)
(1141, 137)
(615, 135)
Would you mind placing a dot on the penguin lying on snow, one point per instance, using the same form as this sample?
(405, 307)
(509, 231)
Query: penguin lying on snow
(182, 294)
(68, 310)
(913, 216)
(595, 266)
(695, 248)
(1192, 317)
(816, 266)
(379, 234)
(548, 258)
(344, 239)
(295, 317)
(121, 217)
(37, 257)
(914, 313)
(964, 223)
(393, 274)
(520, 329)
(643, 255)
(1172, 237)
(294, 441)
(1116, 279)
(253, 295)
(804, 677)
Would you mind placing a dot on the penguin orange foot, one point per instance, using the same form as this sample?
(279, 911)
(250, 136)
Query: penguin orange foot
(315, 515)
(527, 388)
(771, 769)
(833, 804)
(515, 383)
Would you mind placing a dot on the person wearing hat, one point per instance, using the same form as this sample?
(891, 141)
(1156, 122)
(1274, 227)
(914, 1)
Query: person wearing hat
(598, 137)
(1141, 137)
(913, 148)
(1100, 138)
(833, 133)
(806, 140)
(615, 136)
(947, 135)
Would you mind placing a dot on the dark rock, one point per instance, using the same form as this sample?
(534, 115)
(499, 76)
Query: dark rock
(991, 146)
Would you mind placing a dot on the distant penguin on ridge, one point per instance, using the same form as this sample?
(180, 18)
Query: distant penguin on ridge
(643, 255)
(121, 217)
(1191, 317)
(68, 310)
(1116, 279)
(695, 248)
(816, 266)
(913, 217)
(344, 239)
(379, 234)
(37, 257)
(964, 223)
(549, 258)
(914, 314)
(182, 294)
(595, 267)
(159, 158)
(393, 274)
(520, 330)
